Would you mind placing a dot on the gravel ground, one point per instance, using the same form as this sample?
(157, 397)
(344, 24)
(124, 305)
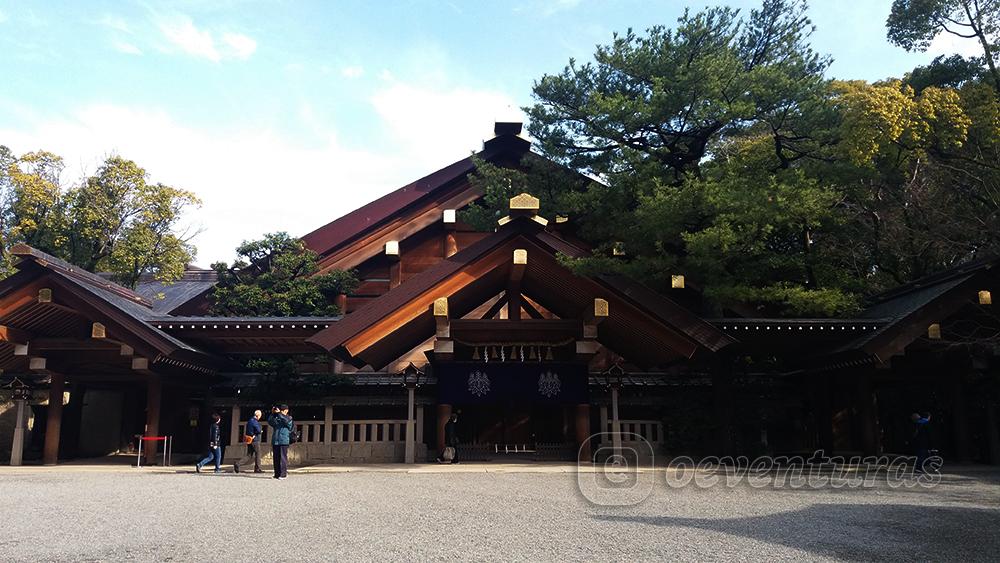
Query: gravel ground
(66, 514)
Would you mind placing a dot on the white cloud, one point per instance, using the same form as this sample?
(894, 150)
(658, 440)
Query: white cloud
(254, 180)
(354, 71)
(3, 16)
(948, 44)
(241, 45)
(182, 33)
(125, 47)
(438, 121)
(114, 22)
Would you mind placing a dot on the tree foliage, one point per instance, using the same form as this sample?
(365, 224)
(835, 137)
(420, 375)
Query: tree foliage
(277, 276)
(724, 154)
(913, 24)
(112, 221)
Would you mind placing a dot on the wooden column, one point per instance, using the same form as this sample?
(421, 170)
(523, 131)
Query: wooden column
(583, 432)
(616, 427)
(328, 424)
(868, 431)
(420, 424)
(154, 389)
(50, 451)
(411, 444)
(20, 424)
(822, 410)
(993, 427)
(234, 426)
(960, 419)
(443, 414)
(722, 392)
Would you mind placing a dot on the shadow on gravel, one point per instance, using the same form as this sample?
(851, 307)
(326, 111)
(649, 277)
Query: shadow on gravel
(860, 532)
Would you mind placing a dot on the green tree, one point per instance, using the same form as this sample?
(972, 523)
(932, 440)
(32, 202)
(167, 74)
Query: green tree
(277, 276)
(708, 140)
(113, 221)
(664, 97)
(913, 24)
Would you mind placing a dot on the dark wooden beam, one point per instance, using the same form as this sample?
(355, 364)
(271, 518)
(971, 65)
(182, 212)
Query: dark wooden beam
(14, 335)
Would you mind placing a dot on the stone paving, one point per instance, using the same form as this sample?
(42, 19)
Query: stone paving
(480, 512)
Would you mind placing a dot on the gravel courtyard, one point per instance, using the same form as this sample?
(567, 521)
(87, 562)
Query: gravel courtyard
(471, 513)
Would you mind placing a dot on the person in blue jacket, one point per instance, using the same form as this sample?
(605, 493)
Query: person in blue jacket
(282, 427)
(214, 445)
(252, 433)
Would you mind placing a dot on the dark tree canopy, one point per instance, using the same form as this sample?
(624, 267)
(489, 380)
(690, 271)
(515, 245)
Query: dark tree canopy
(277, 277)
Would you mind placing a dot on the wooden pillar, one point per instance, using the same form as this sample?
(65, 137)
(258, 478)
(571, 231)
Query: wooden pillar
(604, 420)
(20, 424)
(722, 392)
(411, 429)
(50, 451)
(154, 390)
(443, 414)
(993, 428)
(822, 411)
(616, 427)
(868, 431)
(420, 424)
(328, 424)
(960, 419)
(583, 432)
(341, 302)
(234, 426)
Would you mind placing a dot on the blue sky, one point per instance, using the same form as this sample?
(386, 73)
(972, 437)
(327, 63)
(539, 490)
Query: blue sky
(286, 115)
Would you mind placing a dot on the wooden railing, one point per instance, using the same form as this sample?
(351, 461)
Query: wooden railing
(649, 430)
(359, 431)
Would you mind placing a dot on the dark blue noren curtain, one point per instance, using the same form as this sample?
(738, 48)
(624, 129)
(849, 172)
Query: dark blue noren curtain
(506, 382)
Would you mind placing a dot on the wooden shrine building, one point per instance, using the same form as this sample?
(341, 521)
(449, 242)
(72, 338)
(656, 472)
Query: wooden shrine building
(538, 362)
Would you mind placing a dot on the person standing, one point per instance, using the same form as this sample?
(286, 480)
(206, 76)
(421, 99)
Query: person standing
(214, 445)
(252, 438)
(282, 427)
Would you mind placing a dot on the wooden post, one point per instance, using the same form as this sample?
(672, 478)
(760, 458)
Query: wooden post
(154, 389)
(616, 427)
(722, 387)
(444, 413)
(822, 411)
(867, 414)
(420, 424)
(328, 424)
(234, 427)
(960, 419)
(583, 432)
(604, 420)
(17, 446)
(993, 428)
(50, 451)
(411, 443)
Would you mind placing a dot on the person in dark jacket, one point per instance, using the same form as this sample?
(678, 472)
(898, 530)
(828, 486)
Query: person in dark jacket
(214, 445)
(282, 427)
(253, 432)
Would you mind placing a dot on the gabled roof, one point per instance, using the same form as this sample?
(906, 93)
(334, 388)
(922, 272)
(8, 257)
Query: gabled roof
(907, 310)
(507, 147)
(647, 327)
(98, 297)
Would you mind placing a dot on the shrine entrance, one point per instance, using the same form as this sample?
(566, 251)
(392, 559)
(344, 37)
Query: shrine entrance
(515, 410)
